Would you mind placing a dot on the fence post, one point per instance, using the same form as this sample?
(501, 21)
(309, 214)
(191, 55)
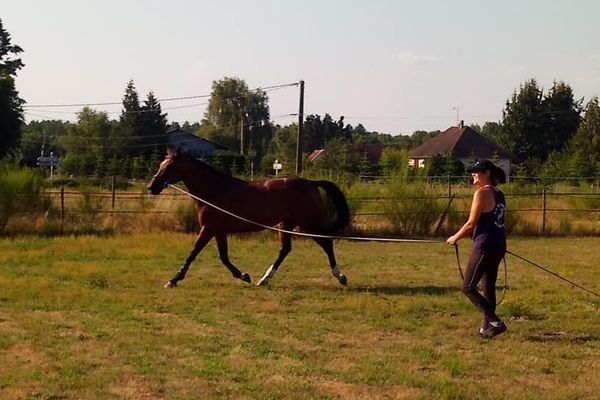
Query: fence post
(114, 184)
(449, 188)
(544, 210)
(62, 204)
(443, 216)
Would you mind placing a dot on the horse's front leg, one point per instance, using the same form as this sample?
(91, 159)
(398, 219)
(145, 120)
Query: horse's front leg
(224, 255)
(203, 238)
(285, 240)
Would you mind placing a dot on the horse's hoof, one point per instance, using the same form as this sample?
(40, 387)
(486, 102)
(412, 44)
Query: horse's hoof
(246, 277)
(170, 285)
(343, 280)
(262, 282)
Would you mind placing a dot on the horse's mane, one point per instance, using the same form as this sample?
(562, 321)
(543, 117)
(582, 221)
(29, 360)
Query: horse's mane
(205, 166)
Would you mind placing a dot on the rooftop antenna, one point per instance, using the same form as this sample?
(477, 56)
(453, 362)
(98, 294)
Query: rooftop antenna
(457, 109)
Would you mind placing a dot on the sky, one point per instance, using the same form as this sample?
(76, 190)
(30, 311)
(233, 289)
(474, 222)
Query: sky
(394, 66)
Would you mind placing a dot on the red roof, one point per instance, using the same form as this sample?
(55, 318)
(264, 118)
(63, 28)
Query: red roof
(460, 142)
(315, 154)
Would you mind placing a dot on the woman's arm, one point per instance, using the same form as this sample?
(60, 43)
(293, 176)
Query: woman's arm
(476, 209)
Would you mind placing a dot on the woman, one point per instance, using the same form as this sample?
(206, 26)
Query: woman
(486, 221)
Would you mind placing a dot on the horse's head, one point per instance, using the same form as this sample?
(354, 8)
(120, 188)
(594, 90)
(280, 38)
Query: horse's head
(170, 171)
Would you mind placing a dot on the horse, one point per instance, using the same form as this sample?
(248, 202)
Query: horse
(286, 203)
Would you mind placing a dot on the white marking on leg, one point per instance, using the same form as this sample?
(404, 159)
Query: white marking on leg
(335, 271)
(267, 276)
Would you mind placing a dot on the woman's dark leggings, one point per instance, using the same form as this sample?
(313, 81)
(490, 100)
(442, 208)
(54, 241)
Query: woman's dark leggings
(483, 265)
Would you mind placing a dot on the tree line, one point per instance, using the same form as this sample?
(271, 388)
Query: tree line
(549, 133)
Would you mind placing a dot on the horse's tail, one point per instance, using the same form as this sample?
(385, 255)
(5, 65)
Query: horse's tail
(341, 206)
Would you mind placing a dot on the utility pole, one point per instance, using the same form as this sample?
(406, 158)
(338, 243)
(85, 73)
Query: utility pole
(242, 135)
(300, 126)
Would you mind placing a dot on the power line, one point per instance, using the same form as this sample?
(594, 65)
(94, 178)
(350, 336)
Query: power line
(264, 89)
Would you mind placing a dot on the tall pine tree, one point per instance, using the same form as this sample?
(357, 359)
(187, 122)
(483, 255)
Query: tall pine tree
(153, 124)
(131, 120)
(11, 106)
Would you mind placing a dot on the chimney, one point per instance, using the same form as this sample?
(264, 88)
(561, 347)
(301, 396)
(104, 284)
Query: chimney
(461, 124)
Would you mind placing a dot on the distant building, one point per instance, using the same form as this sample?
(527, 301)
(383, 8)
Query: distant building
(462, 143)
(315, 155)
(371, 151)
(192, 144)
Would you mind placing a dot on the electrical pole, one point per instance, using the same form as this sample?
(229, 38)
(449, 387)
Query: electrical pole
(242, 135)
(300, 126)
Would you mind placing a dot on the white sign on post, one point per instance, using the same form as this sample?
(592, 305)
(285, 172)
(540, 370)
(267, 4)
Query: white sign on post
(277, 166)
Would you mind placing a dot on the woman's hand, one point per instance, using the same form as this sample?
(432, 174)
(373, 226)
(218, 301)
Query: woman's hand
(452, 239)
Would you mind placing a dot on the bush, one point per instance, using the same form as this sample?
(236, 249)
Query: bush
(20, 190)
(187, 216)
(413, 209)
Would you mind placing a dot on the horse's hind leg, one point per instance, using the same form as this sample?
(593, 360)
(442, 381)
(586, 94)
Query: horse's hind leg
(285, 240)
(203, 238)
(327, 246)
(224, 255)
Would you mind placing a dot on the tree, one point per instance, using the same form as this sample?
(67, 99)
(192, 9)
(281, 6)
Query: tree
(583, 150)
(523, 122)
(318, 132)
(38, 134)
(587, 137)
(562, 117)
(131, 121)
(88, 144)
(395, 162)
(153, 126)
(11, 105)
(420, 137)
(534, 125)
(232, 108)
(492, 131)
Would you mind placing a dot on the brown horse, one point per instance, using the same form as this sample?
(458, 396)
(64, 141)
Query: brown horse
(284, 202)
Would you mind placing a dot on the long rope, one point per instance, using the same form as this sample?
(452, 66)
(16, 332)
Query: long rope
(376, 239)
(310, 235)
(553, 273)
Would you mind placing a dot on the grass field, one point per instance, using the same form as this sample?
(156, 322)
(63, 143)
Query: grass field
(88, 318)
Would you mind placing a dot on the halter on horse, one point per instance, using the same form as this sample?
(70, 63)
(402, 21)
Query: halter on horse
(284, 202)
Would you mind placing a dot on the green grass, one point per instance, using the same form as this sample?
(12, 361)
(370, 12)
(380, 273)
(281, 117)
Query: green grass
(87, 317)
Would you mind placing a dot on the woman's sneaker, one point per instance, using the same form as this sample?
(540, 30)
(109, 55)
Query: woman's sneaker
(493, 330)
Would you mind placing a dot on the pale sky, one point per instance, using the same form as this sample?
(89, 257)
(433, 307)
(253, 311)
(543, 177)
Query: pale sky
(394, 66)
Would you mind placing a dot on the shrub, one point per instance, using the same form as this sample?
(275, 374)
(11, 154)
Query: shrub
(413, 208)
(187, 216)
(20, 190)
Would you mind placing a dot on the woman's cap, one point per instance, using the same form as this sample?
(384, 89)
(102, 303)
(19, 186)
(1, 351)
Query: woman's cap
(482, 165)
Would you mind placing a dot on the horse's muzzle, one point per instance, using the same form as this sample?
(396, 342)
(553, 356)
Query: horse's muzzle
(156, 187)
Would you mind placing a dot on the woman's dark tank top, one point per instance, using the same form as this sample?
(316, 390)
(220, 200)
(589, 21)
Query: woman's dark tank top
(489, 234)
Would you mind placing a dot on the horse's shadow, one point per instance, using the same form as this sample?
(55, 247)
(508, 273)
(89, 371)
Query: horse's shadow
(405, 290)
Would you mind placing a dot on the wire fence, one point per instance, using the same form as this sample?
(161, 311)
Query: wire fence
(544, 211)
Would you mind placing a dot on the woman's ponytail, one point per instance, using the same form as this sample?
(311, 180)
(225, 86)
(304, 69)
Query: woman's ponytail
(498, 175)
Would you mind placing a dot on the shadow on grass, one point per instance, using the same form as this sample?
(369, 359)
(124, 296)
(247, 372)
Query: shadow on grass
(405, 290)
(563, 336)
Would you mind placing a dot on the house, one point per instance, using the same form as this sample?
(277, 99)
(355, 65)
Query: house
(194, 145)
(315, 155)
(464, 144)
(371, 151)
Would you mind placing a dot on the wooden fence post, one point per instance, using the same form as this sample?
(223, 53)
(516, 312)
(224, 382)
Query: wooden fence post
(114, 184)
(544, 210)
(443, 216)
(62, 204)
